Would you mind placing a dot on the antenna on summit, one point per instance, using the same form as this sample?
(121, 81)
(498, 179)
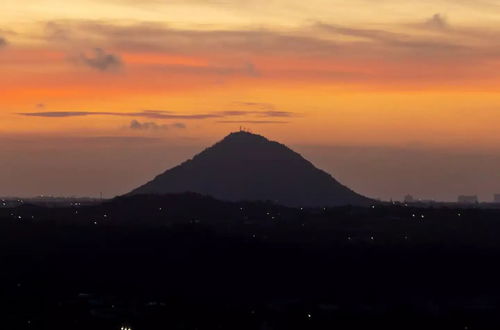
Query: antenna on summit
(245, 129)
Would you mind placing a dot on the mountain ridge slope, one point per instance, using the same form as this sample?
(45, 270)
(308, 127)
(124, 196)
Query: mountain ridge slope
(248, 167)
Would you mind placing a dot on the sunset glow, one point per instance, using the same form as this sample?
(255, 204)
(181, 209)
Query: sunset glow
(358, 73)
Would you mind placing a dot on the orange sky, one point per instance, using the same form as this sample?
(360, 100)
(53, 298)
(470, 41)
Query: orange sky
(359, 73)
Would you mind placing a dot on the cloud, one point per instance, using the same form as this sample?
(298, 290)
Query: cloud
(179, 125)
(152, 126)
(55, 31)
(136, 125)
(239, 52)
(251, 122)
(101, 60)
(156, 37)
(3, 42)
(371, 34)
(162, 114)
(59, 114)
(437, 22)
(258, 105)
(391, 40)
(275, 114)
(270, 113)
(152, 114)
(245, 69)
(159, 114)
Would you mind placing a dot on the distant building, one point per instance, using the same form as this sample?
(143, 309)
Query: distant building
(496, 198)
(472, 199)
(409, 199)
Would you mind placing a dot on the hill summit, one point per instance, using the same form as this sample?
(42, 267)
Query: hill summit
(249, 167)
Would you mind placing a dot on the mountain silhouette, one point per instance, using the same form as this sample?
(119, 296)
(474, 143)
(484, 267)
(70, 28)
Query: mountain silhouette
(249, 167)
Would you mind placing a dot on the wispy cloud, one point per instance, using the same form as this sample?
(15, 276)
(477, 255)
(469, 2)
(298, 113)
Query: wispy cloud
(371, 34)
(153, 126)
(161, 38)
(60, 114)
(242, 69)
(153, 114)
(3, 42)
(257, 105)
(268, 113)
(421, 52)
(152, 37)
(400, 40)
(179, 125)
(159, 114)
(252, 122)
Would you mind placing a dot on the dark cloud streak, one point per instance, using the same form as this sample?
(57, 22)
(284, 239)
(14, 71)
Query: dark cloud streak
(159, 114)
(61, 114)
(252, 122)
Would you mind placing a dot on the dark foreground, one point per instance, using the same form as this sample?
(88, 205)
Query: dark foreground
(189, 262)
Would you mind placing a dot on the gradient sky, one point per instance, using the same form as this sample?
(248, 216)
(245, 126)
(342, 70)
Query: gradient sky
(390, 96)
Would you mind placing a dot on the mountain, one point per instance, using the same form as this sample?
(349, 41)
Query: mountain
(246, 166)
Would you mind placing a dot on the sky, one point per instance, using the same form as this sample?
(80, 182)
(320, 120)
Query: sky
(390, 96)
